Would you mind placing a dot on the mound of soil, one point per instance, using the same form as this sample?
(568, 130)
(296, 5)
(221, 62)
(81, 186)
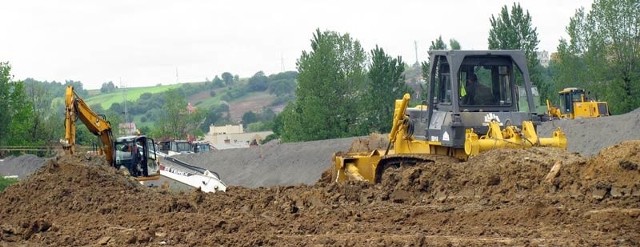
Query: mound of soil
(538, 196)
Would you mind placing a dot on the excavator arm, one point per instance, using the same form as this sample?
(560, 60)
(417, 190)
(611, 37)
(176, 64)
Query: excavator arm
(76, 108)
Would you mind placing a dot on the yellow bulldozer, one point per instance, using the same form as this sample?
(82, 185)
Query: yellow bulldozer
(472, 107)
(575, 103)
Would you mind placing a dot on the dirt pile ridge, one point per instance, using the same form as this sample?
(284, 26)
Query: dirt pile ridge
(537, 196)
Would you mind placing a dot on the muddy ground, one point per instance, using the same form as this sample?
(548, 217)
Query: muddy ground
(585, 196)
(502, 197)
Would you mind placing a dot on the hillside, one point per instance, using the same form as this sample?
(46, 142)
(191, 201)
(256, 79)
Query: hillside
(221, 102)
(132, 94)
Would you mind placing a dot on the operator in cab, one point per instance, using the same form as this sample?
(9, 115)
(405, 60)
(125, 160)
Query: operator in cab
(468, 90)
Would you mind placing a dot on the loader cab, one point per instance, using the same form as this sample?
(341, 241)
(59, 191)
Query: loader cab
(137, 154)
(575, 103)
(457, 102)
(568, 97)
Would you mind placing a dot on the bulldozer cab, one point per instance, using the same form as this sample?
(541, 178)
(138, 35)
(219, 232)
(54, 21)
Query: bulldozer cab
(469, 89)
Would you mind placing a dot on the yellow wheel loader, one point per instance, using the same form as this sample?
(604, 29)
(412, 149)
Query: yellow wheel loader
(472, 107)
(574, 103)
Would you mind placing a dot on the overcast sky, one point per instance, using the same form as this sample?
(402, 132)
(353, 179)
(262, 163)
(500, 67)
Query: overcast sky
(143, 43)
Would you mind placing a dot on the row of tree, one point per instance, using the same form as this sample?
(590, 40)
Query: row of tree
(603, 53)
(337, 94)
(343, 91)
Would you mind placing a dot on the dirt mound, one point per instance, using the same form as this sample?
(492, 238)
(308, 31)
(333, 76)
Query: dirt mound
(537, 196)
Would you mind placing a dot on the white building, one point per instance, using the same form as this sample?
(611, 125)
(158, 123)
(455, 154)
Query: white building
(233, 136)
(543, 57)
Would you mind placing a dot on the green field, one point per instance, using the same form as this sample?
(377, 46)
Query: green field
(132, 94)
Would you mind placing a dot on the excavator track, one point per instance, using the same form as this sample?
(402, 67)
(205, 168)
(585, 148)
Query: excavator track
(399, 161)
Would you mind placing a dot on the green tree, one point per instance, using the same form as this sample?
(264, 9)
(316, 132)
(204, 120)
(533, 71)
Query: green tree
(249, 118)
(40, 100)
(603, 53)
(258, 82)
(330, 79)
(454, 44)
(5, 91)
(227, 78)
(217, 82)
(438, 44)
(215, 115)
(172, 121)
(386, 84)
(514, 30)
(17, 115)
(108, 87)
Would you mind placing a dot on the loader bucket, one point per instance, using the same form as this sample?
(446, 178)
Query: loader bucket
(511, 137)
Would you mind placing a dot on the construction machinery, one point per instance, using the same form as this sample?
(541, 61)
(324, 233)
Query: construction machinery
(463, 117)
(136, 154)
(575, 103)
(191, 175)
(174, 147)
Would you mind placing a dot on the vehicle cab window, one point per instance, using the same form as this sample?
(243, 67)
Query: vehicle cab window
(485, 85)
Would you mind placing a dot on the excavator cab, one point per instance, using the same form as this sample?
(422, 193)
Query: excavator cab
(137, 154)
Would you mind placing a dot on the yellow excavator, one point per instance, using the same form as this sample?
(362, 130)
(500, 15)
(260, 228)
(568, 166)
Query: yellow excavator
(574, 103)
(472, 107)
(135, 153)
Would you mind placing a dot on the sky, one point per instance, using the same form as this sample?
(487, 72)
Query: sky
(146, 43)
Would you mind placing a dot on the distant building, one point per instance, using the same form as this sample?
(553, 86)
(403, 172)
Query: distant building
(127, 129)
(233, 136)
(543, 57)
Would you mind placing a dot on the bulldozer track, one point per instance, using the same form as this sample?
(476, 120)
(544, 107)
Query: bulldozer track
(399, 161)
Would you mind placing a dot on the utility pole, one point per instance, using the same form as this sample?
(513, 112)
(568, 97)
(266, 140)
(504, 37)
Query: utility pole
(124, 98)
(126, 115)
(415, 43)
(177, 80)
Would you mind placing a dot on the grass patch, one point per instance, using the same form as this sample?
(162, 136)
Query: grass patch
(6, 182)
(132, 94)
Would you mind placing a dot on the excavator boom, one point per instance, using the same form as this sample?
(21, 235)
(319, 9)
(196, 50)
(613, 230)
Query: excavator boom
(76, 108)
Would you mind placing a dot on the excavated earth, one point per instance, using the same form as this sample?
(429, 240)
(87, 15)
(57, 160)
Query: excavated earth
(538, 196)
